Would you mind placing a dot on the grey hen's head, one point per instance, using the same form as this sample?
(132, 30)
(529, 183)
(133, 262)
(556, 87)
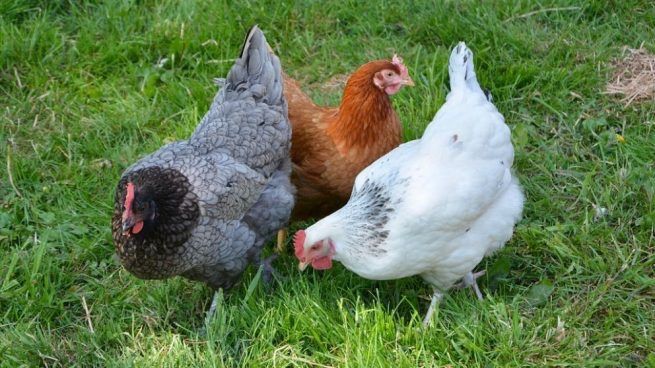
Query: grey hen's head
(155, 213)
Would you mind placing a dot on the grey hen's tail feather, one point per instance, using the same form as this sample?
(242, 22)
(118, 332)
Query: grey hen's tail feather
(257, 70)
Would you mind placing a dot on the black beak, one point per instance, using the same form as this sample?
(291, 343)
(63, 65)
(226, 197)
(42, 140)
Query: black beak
(128, 223)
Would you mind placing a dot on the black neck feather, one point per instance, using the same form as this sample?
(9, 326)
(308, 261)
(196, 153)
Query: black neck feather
(176, 215)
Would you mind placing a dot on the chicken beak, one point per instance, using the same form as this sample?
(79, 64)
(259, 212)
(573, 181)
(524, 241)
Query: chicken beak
(408, 82)
(302, 266)
(128, 223)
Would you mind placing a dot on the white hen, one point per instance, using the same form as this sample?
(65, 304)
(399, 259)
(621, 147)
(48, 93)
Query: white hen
(432, 207)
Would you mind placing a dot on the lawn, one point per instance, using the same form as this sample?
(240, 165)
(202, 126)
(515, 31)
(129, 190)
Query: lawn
(86, 88)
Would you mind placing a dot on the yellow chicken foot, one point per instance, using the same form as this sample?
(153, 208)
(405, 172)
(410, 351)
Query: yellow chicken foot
(436, 298)
(281, 240)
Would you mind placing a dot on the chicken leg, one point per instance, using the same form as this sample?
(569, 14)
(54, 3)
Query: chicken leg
(268, 272)
(436, 298)
(281, 240)
(470, 280)
(212, 307)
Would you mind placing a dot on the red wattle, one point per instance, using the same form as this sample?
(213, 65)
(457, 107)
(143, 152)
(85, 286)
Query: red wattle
(322, 263)
(137, 227)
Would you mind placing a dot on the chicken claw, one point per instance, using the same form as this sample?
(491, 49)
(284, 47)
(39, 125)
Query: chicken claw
(212, 308)
(469, 280)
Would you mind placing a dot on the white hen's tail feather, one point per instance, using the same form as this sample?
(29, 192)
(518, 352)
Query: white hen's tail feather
(462, 71)
(468, 122)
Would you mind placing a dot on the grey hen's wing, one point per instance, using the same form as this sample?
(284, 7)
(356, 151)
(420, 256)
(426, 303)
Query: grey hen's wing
(248, 117)
(253, 135)
(273, 208)
(229, 188)
(222, 250)
(227, 246)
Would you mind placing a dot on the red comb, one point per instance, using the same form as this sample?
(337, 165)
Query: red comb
(298, 244)
(129, 198)
(398, 61)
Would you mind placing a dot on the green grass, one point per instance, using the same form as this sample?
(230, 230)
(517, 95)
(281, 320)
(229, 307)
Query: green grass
(82, 97)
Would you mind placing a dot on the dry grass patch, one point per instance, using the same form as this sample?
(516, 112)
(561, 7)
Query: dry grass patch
(634, 76)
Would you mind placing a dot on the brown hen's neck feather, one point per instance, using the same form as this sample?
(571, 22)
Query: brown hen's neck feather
(365, 114)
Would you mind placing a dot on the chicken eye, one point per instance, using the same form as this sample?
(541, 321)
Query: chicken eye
(314, 247)
(389, 74)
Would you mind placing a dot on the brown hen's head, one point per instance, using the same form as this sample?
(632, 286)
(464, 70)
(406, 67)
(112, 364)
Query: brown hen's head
(383, 75)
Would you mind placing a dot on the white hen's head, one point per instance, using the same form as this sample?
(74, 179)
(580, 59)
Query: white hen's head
(321, 243)
(319, 253)
(359, 228)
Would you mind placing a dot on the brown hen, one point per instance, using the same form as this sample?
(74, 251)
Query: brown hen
(331, 145)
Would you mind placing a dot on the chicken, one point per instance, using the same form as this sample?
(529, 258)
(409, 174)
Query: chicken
(432, 207)
(332, 145)
(203, 208)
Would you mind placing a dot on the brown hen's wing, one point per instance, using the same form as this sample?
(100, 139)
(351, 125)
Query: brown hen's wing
(313, 154)
(315, 157)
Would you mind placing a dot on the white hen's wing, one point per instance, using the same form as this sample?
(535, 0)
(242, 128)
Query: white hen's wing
(387, 166)
(448, 196)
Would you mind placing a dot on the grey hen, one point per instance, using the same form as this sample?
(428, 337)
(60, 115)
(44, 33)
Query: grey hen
(203, 208)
